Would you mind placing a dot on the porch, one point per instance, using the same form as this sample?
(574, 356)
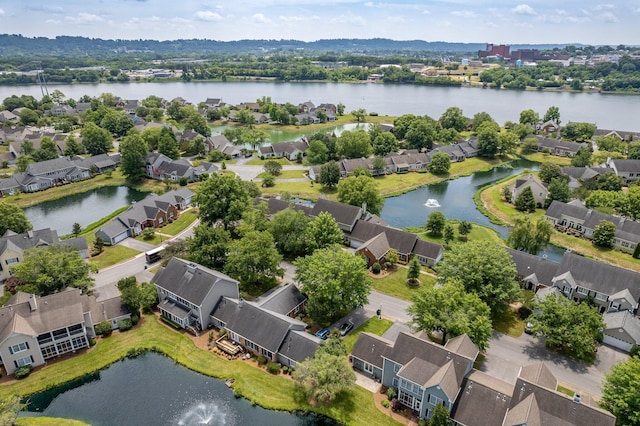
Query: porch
(227, 346)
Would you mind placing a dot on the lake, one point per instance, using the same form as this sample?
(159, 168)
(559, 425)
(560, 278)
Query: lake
(153, 390)
(83, 208)
(607, 111)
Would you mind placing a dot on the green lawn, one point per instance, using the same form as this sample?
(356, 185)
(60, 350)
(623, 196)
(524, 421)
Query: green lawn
(373, 325)
(565, 391)
(286, 174)
(541, 157)
(259, 162)
(47, 421)
(395, 284)
(180, 224)
(478, 233)
(112, 255)
(356, 407)
(156, 240)
(508, 322)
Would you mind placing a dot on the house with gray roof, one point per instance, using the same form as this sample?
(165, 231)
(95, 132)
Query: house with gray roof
(579, 175)
(346, 215)
(622, 330)
(288, 150)
(285, 300)
(483, 401)
(375, 249)
(188, 292)
(34, 329)
(558, 147)
(628, 170)
(534, 272)
(538, 188)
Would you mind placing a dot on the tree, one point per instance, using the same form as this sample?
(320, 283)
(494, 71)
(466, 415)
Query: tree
(323, 231)
(620, 393)
(552, 114)
(582, 158)
(354, 144)
(23, 162)
(334, 280)
(452, 311)
(449, 233)
(76, 229)
(435, 223)
(13, 218)
(609, 181)
(413, 274)
(384, 143)
(578, 131)
(329, 174)
(273, 167)
(73, 147)
(393, 258)
(530, 144)
(96, 140)
(529, 116)
(130, 294)
(357, 190)
(148, 297)
(54, 268)
(558, 190)
(117, 123)
(133, 157)
(359, 114)
(174, 248)
(569, 327)
(47, 151)
(634, 151)
(483, 268)
(529, 236)
(168, 145)
(604, 233)
(549, 171)
(440, 163)
(453, 118)
(422, 133)
(479, 119)
(525, 202)
(253, 260)
(322, 378)
(507, 142)
(464, 228)
(197, 122)
(440, 417)
(288, 228)
(340, 108)
(208, 246)
(317, 152)
(28, 117)
(222, 197)
(488, 141)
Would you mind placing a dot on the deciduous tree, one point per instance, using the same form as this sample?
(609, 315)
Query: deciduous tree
(449, 233)
(254, 261)
(582, 158)
(479, 119)
(530, 236)
(222, 197)
(558, 190)
(273, 167)
(464, 228)
(13, 218)
(620, 392)
(384, 143)
(604, 233)
(358, 190)
(288, 228)
(413, 274)
(453, 118)
(317, 152)
(329, 174)
(525, 202)
(323, 231)
(549, 171)
(440, 163)
(354, 144)
(452, 311)
(335, 281)
(529, 116)
(552, 114)
(208, 246)
(435, 223)
(133, 153)
(96, 140)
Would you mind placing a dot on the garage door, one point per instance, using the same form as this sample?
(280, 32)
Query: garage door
(119, 238)
(616, 343)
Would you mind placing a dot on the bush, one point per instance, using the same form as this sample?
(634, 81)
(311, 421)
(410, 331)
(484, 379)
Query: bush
(262, 360)
(103, 328)
(92, 342)
(273, 368)
(125, 324)
(268, 182)
(148, 234)
(391, 393)
(171, 323)
(183, 181)
(375, 268)
(635, 351)
(223, 332)
(285, 369)
(385, 403)
(22, 372)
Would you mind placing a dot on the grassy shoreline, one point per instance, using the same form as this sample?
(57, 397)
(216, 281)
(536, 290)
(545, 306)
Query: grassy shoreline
(269, 391)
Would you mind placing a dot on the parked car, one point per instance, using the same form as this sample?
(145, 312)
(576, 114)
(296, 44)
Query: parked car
(345, 328)
(528, 328)
(322, 333)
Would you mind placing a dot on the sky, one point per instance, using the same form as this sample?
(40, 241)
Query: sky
(475, 21)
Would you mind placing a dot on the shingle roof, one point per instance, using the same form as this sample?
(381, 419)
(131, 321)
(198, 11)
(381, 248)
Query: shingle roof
(343, 213)
(31, 239)
(378, 245)
(540, 375)
(527, 264)
(299, 345)
(284, 299)
(623, 320)
(427, 249)
(190, 281)
(483, 394)
(463, 345)
(632, 166)
(370, 348)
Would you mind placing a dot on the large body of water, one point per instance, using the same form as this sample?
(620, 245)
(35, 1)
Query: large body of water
(84, 208)
(153, 390)
(607, 111)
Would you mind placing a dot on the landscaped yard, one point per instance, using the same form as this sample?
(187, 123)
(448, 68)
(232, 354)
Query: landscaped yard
(373, 325)
(286, 174)
(112, 255)
(395, 284)
(508, 322)
(47, 421)
(272, 392)
(478, 233)
(541, 157)
(186, 218)
(259, 162)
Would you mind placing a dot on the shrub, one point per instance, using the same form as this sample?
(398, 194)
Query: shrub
(135, 352)
(223, 332)
(391, 393)
(109, 174)
(268, 182)
(125, 324)
(92, 342)
(103, 328)
(285, 369)
(22, 372)
(171, 323)
(385, 403)
(262, 360)
(148, 233)
(183, 181)
(273, 368)
(375, 268)
(373, 114)
(635, 351)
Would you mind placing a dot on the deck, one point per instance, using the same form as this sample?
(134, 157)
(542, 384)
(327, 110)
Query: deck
(227, 346)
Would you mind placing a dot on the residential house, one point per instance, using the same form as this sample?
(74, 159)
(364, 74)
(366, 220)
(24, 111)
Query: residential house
(534, 272)
(253, 106)
(222, 144)
(306, 107)
(579, 175)
(99, 163)
(285, 300)
(549, 126)
(538, 188)
(425, 373)
(622, 330)
(628, 170)
(625, 136)
(213, 102)
(483, 401)
(58, 110)
(577, 219)
(375, 249)
(160, 167)
(288, 150)
(262, 332)
(188, 292)
(153, 211)
(558, 147)
(43, 175)
(131, 105)
(455, 153)
(8, 116)
(345, 215)
(306, 118)
(13, 246)
(34, 329)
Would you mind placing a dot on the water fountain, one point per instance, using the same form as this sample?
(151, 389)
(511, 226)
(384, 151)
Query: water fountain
(432, 202)
(203, 413)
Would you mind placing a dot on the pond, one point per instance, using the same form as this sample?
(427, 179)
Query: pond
(83, 208)
(455, 200)
(152, 390)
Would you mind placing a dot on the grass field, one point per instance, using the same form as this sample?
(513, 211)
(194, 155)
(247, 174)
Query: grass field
(47, 421)
(395, 284)
(356, 407)
(508, 322)
(541, 157)
(112, 255)
(259, 162)
(373, 325)
(182, 223)
(478, 233)
(286, 174)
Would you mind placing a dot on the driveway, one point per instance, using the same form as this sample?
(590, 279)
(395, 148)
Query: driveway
(137, 245)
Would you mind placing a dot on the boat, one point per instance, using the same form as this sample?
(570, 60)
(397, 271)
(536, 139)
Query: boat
(431, 202)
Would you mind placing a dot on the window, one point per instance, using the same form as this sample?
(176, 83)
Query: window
(434, 400)
(252, 345)
(601, 296)
(267, 353)
(396, 368)
(235, 337)
(18, 348)
(582, 291)
(23, 361)
(368, 368)
(12, 261)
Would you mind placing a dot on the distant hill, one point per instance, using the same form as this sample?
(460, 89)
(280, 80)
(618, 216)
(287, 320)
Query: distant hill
(17, 45)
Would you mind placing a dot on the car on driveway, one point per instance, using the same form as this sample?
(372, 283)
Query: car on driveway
(322, 333)
(528, 328)
(346, 328)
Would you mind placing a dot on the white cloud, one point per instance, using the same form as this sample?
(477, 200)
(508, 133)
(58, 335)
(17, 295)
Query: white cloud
(261, 19)
(348, 19)
(609, 17)
(52, 21)
(207, 15)
(395, 20)
(368, 4)
(84, 18)
(298, 18)
(523, 9)
(604, 7)
(179, 21)
(1, 12)
(425, 12)
(464, 13)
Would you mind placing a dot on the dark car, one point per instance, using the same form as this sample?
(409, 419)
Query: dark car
(345, 328)
(323, 333)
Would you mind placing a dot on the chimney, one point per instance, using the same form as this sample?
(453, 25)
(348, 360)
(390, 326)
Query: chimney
(33, 304)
